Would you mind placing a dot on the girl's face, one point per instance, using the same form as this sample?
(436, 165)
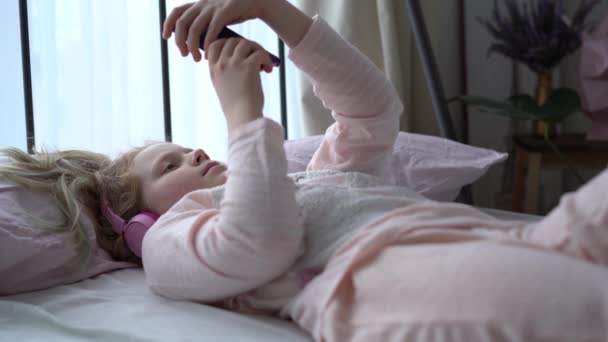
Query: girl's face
(167, 172)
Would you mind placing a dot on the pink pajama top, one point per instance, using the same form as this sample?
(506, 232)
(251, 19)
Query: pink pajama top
(252, 244)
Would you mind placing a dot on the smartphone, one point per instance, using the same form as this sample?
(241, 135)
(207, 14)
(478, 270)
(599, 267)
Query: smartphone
(228, 33)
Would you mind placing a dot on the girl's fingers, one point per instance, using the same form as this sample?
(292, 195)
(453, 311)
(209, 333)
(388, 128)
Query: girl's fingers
(262, 58)
(267, 61)
(228, 49)
(181, 28)
(268, 67)
(194, 34)
(246, 48)
(215, 27)
(214, 51)
(169, 24)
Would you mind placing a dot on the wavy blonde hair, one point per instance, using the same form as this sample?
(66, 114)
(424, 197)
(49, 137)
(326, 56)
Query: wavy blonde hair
(76, 179)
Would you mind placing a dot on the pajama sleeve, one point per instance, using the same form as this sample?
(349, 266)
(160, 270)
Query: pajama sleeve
(364, 103)
(199, 251)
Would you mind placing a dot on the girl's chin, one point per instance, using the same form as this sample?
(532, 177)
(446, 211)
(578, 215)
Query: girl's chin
(221, 177)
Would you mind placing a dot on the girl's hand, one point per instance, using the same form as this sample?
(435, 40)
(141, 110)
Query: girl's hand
(234, 65)
(189, 21)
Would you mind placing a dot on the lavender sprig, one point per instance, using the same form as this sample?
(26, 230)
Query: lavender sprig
(537, 33)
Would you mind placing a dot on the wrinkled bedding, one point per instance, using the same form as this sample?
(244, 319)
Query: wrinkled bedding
(448, 272)
(117, 306)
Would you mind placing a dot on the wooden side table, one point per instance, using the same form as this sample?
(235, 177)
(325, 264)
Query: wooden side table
(533, 154)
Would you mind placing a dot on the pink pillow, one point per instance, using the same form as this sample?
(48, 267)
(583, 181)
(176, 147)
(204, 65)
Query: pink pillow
(34, 259)
(434, 167)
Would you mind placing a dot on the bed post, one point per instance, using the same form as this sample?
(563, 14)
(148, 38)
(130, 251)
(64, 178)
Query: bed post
(431, 72)
(27, 76)
(283, 87)
(164, 55)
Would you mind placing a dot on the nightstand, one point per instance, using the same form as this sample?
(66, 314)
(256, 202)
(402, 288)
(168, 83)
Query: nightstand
(533, 154)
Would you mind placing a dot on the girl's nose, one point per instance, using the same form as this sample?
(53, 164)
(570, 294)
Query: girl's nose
(198, 156)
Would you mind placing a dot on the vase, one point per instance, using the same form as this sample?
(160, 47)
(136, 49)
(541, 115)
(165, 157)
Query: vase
(599, 129)
(593, 81)
(544, 87)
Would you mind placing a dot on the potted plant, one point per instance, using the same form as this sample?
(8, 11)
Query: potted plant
(539, 35)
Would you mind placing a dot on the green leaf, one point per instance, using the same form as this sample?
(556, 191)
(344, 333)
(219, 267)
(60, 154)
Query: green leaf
(562, 103)
(524, 102)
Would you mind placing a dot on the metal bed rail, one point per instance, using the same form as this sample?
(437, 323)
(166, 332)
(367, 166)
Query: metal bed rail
(431, 72)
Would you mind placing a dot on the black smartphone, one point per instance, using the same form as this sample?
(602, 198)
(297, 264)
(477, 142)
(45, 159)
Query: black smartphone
(228, 33)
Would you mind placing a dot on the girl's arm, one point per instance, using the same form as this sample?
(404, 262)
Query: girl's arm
(199, 252)
(287, 21)
(364, 103)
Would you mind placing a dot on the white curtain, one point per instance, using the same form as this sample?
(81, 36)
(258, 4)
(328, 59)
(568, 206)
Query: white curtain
(380, 29)
(372, 27)
(96, 75)
(12, 120)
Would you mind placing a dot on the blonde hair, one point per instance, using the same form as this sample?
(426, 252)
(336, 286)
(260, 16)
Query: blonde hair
(76, 179)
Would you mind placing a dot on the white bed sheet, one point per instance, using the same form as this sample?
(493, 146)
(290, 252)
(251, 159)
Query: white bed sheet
(118, 306)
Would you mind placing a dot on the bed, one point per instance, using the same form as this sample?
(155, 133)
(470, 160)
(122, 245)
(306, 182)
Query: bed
(118, 306)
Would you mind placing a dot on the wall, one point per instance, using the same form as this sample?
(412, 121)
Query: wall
(491, 76)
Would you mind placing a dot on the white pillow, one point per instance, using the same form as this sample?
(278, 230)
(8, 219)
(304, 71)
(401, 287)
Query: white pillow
(434, 167)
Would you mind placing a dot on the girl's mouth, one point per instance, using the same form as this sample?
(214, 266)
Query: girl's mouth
(209, 166)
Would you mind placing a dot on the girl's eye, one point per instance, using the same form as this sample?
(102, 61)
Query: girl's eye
(169, 167)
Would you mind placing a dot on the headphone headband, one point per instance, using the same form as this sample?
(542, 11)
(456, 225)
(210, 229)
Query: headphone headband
(118, 224)
(132, 231)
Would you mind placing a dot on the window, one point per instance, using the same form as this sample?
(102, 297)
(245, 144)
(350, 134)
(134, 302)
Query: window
(12, 119)
(195, 109)
(97, 79)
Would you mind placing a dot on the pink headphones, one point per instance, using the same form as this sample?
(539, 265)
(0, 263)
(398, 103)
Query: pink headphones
(134, 230)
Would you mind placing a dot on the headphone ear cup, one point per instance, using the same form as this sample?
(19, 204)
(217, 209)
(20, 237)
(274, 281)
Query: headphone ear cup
(135, 230)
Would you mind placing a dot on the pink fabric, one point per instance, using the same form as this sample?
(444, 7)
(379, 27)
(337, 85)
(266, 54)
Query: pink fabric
(593, 80)
(34, 259)
(434, 167)
(447, 272)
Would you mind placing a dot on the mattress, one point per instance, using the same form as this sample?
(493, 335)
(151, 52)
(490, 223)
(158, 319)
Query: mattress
(118, 306)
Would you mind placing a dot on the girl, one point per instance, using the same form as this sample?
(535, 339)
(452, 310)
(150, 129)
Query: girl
(333, 249)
